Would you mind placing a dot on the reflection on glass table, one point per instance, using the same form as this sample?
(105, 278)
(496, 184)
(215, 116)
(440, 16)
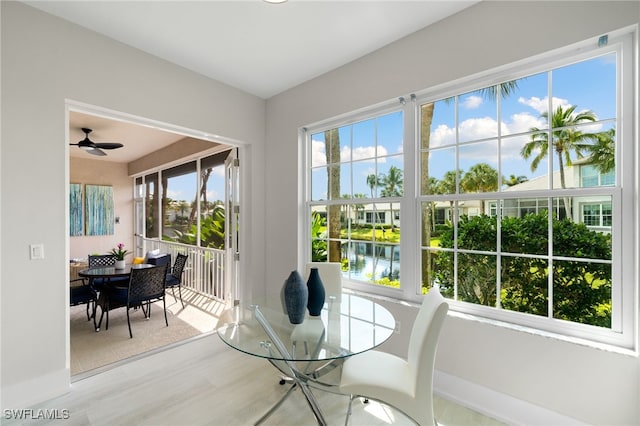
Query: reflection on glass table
(344, 328)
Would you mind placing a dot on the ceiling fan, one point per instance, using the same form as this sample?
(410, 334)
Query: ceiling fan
(95, 148)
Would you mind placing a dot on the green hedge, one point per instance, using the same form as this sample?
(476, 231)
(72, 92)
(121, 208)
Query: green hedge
(581, 289)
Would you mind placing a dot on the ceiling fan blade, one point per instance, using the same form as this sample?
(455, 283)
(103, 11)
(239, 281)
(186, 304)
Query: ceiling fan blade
(96, 151)
(107, 145)
(94, 148)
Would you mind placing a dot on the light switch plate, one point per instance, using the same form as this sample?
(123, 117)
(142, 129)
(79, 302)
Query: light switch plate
(36, 251)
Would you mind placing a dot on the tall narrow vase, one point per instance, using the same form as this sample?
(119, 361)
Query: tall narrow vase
(316, 293)
(295, 297)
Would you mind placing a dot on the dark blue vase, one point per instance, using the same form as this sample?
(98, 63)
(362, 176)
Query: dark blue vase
(316, 293)
(295, 297)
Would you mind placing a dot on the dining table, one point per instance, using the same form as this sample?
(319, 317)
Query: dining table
(305, 352)
(110, 276)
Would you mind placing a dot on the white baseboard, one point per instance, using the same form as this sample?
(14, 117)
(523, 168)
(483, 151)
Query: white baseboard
(29, 393)
(496, 405)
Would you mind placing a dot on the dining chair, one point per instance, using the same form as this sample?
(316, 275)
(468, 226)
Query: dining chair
(103, 260)
(83, 294)
(97, 260)
(145, 285)
(406, 384)
(174, 276)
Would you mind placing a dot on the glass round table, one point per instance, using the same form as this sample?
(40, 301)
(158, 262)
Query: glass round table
(304, 352)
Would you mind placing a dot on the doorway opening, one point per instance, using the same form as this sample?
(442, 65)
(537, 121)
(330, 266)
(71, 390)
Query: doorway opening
(152, 147)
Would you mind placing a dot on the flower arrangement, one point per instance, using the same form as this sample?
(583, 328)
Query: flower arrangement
(120, 252)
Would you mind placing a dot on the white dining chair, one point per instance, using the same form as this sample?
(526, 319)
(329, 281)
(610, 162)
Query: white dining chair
(405, 384)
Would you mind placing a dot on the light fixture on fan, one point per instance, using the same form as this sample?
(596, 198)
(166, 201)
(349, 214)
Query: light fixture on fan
(95, 148)
(275, 1)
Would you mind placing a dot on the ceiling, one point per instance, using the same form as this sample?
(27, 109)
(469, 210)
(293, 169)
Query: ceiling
(138, 140)
(260, 48)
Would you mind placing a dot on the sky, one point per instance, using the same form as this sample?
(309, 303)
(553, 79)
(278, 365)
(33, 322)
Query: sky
(590, 85)
(184, 187)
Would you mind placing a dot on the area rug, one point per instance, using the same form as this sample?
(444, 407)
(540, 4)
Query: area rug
(90, 349)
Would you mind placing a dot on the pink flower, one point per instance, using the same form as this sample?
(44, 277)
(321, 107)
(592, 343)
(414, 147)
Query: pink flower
(119, 252)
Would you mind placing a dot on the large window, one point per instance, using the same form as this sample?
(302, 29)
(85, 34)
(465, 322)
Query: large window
(190, 199)
(519, 188)
(529, 255)
(356, 182)
(178, 199)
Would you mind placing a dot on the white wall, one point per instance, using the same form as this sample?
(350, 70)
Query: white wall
(46, 60)
(573, 381)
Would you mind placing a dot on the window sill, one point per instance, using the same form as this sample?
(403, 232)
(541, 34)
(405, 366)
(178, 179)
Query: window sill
(503, 324)
(546, 334)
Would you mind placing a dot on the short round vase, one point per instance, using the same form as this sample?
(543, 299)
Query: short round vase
(316, 293)
(295, 297)
(119, 264)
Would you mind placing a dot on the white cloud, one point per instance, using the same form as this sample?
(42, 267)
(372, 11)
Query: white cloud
(364, 152)
(218, 171)
(478, 128)
(472, 102)
(481, 128)
(542, 105)
(174, 195)
(472, 129)
(522, 122)
(318, 156)
(442, 135)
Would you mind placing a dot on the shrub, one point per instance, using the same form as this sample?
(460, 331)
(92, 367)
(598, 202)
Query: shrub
(581, 289)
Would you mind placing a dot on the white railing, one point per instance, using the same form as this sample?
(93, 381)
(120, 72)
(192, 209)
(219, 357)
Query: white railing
(204, 271)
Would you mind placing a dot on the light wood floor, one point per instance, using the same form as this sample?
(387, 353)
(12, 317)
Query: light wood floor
(204, 382)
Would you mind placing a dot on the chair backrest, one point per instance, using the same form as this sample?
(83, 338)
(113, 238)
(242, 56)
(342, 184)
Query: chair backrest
(422, 352)
(331, 276)
(146, 283)
(178, 267)
(160, 259)
(98, 260)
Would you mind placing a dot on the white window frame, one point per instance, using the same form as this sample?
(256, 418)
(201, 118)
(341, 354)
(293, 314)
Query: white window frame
(625, 205)
(625, 271)
(601, 215)
(407, 242)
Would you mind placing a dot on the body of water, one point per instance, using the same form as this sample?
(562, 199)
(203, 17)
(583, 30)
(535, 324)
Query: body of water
(368, 262)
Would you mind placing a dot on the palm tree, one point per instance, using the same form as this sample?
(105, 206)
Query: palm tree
(481, 177)
(602, 152)
(426, 119)
(514, 180)
(392, 187)
(332, 149)
(433, 183)
(566, 139)
(183, 206)
(204, 178)
(448, 186)
(373, 181)
(358, 206)
(344, 211)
